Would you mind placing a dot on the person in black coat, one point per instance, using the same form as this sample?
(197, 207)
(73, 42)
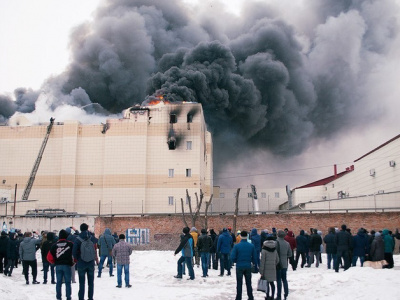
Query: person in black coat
(46, 264)
(331, 248)
(213, 251)
(204, 244)
(302, 248)
(12, 253)
(3, 250)
(315, 248)
(343, 241)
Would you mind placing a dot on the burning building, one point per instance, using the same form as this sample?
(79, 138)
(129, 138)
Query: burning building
(142, 163)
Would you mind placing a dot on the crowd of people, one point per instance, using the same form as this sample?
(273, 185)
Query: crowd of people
(272, 251)
(71, 251)
(268, 254)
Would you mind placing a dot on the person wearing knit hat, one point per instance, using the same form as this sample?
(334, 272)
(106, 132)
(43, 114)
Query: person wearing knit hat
(243, 255)
(60, 255)
(186, 246)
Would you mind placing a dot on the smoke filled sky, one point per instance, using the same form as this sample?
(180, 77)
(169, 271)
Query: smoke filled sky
(289, 88)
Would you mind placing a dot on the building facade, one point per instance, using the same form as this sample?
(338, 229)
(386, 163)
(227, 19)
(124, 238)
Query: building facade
(142, 163)
(372, 183)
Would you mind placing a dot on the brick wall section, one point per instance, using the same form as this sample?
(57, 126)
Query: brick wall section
(173, 224)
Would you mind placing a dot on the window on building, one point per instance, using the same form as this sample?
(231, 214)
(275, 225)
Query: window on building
(249, 195)
(171, 173)
(188, 145)
(170, 200)
(172, 118)
(222, 195)
(276, 194)
(263, 195)
(171, 144)
(189, 118)
(188, 172)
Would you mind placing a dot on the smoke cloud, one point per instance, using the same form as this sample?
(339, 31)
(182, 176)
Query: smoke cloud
(268, 79)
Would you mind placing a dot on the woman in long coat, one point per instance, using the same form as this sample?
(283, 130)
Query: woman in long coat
(268, 263)
(377, 251)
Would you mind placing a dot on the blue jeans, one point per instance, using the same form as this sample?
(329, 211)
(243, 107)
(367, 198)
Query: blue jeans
(46, 266)
(281, 277)
(355, 258)
(188, 262)
(225, 265)
(63, 272)
(89, 272)
(331, 256)
(239, 283)
(101, 263)
(204, 262)
(119, 274)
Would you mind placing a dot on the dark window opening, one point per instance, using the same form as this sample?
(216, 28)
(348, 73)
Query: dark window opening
(189, 118)
(172, 118)
(171, 145)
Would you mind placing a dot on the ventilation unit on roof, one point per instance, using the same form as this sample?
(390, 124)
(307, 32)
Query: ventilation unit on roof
(392, 163)
(372, 172)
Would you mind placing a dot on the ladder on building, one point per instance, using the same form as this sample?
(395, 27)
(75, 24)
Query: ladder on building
(37, 162)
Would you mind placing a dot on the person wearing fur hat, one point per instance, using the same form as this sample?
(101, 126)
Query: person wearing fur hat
(284, 252)
(243, 255)
(60, 255)
(268, 263)
(186, 246)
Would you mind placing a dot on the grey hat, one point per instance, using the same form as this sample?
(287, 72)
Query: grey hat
(377, 234)
(281, 233)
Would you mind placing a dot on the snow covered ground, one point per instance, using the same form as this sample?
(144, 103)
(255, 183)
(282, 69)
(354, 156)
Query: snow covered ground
(152, 278)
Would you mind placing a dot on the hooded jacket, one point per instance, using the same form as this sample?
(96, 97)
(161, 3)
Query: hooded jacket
(329, 241)
(256, 239)
(224, 244)
(269, 260)
(186, 245)
(388, 241)
(291, 240)
(106, 242)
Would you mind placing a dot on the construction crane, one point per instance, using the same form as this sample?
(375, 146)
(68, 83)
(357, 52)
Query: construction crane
(37, 162)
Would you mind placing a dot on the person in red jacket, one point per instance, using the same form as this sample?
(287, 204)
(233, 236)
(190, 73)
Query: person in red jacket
(60, 254)
(293, 245)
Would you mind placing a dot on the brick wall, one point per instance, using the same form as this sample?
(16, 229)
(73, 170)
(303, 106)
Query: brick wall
(172, 225)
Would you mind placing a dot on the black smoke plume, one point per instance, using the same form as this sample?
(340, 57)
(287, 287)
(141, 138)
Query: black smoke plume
(264, 82)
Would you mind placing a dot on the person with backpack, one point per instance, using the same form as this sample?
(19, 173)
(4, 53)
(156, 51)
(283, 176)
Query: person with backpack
(84, 255)
(106, 243)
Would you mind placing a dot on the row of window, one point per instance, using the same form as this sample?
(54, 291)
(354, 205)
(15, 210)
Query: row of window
(171, 200)
(173, 118)
(250, 195)
(171, 173)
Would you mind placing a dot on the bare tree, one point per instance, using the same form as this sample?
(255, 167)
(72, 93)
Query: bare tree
(208, 203)
(236, 210)
(183, 214)
(196, 214)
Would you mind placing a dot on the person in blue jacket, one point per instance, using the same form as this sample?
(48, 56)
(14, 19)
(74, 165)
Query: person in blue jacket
(243, 255)
(256, 241)
(224, 247)
(360, 246)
